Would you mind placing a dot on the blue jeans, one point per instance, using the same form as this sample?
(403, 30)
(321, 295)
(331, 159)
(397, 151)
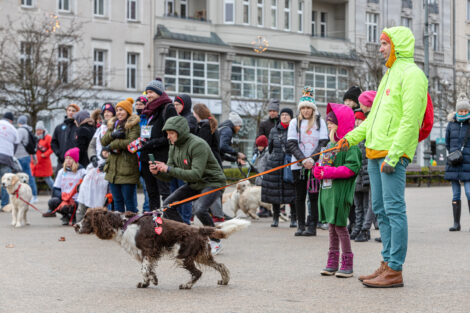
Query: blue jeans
(5, 197)
(49, 181)
(388, 203)
(24, 162)
(124, 194)
(456, 189)
(185, 210)
(145, 207)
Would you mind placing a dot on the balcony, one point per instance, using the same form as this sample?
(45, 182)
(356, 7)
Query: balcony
(195, 10)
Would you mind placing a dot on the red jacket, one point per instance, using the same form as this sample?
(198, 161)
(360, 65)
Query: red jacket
(44, 167)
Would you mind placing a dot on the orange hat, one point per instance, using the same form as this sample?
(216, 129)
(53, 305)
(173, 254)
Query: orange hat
(126, 105)
(75, 106)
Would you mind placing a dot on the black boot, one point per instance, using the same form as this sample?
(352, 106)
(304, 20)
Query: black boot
(276, 212)
(311, 227)
(363, 236)
(456, 210)
(293, 219)
(300, 228)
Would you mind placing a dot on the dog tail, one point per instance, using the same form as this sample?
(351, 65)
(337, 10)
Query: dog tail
(225, 229)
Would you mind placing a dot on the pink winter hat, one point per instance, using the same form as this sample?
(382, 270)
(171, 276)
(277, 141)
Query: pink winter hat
(74, 153)
(367, 98)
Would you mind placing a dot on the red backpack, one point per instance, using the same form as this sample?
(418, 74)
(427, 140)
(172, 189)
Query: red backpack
(428, 121)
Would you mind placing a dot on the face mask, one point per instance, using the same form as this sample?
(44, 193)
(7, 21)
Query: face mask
(139, 111)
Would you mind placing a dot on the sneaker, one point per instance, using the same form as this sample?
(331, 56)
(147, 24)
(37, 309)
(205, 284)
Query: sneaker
(34, 200)
(218, 219)
(216, 247)
(378, 239)
(49, 214)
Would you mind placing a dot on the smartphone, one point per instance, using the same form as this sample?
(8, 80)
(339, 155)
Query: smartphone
(151, 157)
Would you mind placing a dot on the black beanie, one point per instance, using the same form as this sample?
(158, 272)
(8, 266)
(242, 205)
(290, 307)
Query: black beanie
(8, 116)
(288, 111)
(353, 93)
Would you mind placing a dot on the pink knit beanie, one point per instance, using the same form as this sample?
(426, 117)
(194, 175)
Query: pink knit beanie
(74, 153)
(367, 98)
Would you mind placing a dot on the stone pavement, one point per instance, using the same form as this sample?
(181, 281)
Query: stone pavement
(271, 270)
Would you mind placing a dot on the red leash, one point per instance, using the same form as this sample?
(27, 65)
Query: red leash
(16, 193)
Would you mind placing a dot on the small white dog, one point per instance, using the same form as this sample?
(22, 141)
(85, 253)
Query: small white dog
(248, 199)
(19, 208)
(24, 178)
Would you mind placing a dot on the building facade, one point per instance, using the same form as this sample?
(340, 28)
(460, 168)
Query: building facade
(234, 55)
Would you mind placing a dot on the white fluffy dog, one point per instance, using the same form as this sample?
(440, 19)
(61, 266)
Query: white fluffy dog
(19, 208)
(24, 178)
(247, 198)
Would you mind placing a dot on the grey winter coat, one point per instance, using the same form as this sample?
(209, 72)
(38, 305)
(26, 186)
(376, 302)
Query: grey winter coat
(362, 180)
(24, 139)
(274, 189)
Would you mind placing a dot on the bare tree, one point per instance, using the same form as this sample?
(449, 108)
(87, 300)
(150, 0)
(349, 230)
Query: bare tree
(36, 62)
(369, 72)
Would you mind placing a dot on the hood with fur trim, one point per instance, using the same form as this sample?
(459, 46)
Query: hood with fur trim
(131, 122)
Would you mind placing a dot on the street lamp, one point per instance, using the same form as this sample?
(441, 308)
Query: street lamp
(444, 84)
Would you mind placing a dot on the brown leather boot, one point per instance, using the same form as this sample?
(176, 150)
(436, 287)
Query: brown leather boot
(380, 270)
(387, 279)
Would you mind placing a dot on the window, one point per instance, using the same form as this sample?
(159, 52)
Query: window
(300, 12)
(434, 36)
(246, 12)
(192, 72)
(323, 21)
(314, 20)
(260, 5)
(63, 63)
(132, 10)
(229, 12)
(99, 67)
(64, 5)
(184, 8)
(274, 13)
(406, 21)
(27, 3)
(287, 15)
(170, 7)
(260, 78)
(372, 20)
(26, 56)
(98, 8)
(329, 82)
(131, 69)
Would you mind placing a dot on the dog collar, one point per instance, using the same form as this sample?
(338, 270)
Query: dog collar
(157, 219)
(16, 192)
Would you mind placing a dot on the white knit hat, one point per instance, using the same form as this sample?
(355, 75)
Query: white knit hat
(462, 103)
(235, 119)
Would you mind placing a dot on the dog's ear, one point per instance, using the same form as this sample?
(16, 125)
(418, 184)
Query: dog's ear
(14, 179)
(100, 221)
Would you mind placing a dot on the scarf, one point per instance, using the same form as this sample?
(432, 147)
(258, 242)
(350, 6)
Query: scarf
(284, 125)
(151, 107)
(462, 118)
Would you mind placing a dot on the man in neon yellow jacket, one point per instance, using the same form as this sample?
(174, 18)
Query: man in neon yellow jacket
(391, 133)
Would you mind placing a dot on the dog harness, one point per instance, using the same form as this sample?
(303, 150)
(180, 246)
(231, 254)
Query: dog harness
(157, 219)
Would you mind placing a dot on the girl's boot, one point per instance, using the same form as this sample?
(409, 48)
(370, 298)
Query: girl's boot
(456, 210)
(346, 269)
(332, 264)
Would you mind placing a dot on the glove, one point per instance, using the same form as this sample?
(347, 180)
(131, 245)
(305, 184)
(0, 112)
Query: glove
(118, 134)
(94, 161)
(342, 145)
(318, 172)
(101, 167)
(387, 168)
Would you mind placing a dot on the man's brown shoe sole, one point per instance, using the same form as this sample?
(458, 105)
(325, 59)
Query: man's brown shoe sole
(383, 286)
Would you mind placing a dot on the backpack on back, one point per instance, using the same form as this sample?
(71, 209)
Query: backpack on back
(31, 147)
(428, 121)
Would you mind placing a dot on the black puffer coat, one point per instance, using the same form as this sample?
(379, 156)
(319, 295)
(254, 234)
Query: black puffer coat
(203, 130)
(362, 180)
(274, 189)
(266, 126)
(64, 138)
(455, 134)
(185, 100)
(226, 133)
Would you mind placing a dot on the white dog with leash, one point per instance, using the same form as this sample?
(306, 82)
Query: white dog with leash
(20, 193)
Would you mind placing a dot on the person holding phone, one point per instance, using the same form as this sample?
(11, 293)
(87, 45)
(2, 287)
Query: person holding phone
(190, 159)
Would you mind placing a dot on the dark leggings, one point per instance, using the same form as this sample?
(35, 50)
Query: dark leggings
(300, 196)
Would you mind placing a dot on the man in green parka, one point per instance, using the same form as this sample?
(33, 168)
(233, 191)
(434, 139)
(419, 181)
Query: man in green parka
(190, 159)
(391, 133)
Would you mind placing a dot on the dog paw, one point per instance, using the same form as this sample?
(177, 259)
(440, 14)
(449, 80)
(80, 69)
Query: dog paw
(18, 225)
(185, 286)
(222, 282)
(142, 285)
(155, 282)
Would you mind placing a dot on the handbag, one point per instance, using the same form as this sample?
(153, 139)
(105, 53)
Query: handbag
(287, 175)
(456, 158)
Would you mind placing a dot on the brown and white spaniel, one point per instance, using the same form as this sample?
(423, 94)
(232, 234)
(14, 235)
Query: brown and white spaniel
(188, 244)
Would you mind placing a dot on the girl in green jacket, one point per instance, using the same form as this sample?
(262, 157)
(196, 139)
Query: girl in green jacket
(337, 171)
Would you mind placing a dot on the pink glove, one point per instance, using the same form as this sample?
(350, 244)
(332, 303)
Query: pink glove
(340, 172)
(318, 172)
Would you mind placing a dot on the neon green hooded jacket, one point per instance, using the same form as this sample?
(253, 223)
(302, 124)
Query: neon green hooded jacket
(392, 127)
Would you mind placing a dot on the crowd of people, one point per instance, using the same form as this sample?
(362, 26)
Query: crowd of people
(349, 172)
